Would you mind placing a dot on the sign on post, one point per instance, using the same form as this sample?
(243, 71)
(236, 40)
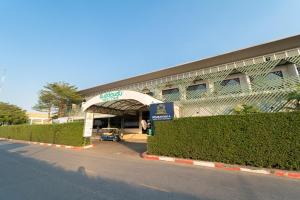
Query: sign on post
(88, 124)
(162, 111)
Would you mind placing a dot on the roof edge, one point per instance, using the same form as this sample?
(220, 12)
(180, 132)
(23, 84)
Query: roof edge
(233, 56)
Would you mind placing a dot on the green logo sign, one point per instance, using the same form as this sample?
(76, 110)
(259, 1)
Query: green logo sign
(110, 96)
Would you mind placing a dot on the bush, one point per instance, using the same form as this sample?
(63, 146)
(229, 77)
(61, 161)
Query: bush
(70, 134)
(269, 140)
(66, 134)
(43, 133)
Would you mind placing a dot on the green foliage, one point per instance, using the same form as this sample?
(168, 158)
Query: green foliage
(57, 96)
(45, 102)
(66, 134)
(245, 109)
(43, 133)
(11, 114)
(70, 134)
(269, 140)
(294, 99)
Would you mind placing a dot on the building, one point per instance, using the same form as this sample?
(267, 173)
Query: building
(261, 75)
(38, 118)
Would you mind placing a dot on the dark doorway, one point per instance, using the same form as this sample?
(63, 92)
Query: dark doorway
(115, 122)
(100, 123)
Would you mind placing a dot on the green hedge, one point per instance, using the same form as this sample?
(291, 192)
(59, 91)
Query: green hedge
(67, 134)
(269, 140)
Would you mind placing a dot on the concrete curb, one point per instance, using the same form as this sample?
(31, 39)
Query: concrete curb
(280, 173)
(49, 144)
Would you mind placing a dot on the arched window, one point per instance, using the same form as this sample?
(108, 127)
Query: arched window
(195, 91)
(228, 86)
(171, 95)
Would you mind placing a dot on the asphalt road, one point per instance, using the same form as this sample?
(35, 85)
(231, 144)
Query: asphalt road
(115, 171)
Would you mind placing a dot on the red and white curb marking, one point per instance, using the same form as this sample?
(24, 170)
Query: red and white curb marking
(49, 144)
(289, 174)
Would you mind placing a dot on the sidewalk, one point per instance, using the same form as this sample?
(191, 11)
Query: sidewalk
(50, 144)
(223, 166)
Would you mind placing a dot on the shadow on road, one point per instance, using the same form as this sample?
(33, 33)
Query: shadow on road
(24, 178)
(7, 145)
(138, 147)
(123, 147)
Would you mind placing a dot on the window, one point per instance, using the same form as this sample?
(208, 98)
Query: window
(150, 93)
(271, 81)
(170, 95)
(195, 91)
(230, 82)
(274, 80)
(276, 73)
(229, 86)
(147, 91)
(131, 121)
(115, 122)
(268, 58)
(100, 123)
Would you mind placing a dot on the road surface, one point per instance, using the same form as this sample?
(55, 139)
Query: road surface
(115, 171)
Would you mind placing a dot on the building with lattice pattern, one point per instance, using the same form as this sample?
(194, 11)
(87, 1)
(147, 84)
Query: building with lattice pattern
(261, 75)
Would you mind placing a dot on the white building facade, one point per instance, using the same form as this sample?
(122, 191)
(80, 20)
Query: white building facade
(261, 76)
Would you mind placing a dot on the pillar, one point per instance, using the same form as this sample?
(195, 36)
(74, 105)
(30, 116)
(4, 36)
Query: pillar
(122, 123)
(140, 120)
(245, 83)
(158, 93)
(292, 70)
(108, 122)
(210, 86)
(176, 111)
(182, 92)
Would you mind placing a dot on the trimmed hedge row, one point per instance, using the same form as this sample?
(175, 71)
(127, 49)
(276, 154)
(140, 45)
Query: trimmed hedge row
(270, 140)
(67, 134)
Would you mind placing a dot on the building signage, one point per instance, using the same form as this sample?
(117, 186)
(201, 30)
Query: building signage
(162, 111)
(110, 96)
(88, 124)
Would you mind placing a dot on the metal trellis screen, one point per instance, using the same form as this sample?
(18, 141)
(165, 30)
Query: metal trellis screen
(264, 85)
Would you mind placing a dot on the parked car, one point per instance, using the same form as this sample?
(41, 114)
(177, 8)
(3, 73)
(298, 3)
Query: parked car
(110, 134)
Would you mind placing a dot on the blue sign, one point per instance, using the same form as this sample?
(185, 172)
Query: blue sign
(162, 111)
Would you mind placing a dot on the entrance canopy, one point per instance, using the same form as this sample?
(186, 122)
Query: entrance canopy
(118, 102)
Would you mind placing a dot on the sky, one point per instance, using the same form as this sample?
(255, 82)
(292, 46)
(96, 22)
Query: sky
(91, 42)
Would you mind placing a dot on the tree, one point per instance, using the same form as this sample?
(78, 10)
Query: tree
(57, 96)
(245, 109)
(11, 114)
(45, 102)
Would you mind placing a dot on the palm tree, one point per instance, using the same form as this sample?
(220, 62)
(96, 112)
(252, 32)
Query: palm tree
(45, 102)
(59, 96)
